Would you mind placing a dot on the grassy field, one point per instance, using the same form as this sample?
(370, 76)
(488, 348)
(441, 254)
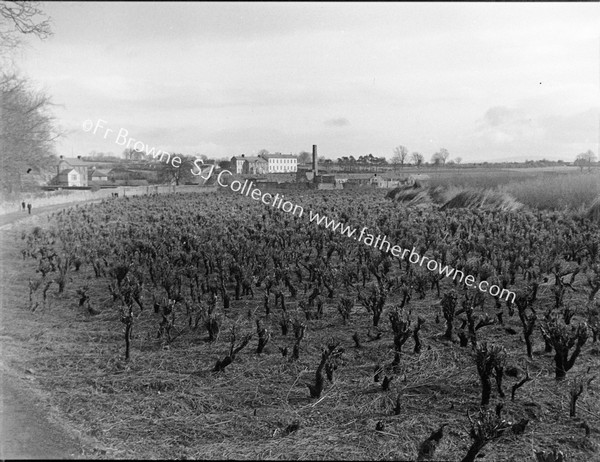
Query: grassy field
(166, 401)
(543, 189)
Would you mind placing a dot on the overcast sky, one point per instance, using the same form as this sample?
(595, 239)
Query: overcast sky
(487, 81)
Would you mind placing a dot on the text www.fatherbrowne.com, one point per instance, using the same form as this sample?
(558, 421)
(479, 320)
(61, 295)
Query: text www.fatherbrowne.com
(413, 257)
(248, 189)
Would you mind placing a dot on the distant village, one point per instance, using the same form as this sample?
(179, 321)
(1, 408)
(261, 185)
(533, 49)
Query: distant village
(280, 170)
(303, 171)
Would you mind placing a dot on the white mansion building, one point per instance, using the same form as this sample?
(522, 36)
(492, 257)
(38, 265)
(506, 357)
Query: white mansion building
(265, 163)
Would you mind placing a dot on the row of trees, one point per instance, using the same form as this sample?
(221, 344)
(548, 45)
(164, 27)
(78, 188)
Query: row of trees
(401, 157)
(369, 162)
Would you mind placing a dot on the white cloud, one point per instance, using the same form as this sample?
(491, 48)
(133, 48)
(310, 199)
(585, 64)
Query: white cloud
(505, 132)
(240, 77)
(338, 122)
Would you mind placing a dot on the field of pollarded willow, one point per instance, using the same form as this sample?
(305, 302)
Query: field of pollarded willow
(212, 326)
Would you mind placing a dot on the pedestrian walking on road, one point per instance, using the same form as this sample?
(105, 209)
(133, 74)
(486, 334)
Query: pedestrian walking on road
(29, 208)
(23, 206)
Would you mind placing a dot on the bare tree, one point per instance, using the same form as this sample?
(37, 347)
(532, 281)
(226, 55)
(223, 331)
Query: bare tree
(585, 158)
(21, 18)
(417, 158)
(457, 160)
(440, 157)
(305, 157)
(177, 175)
(27, 133)
(444, 154)
(133, 154)
(400, 156)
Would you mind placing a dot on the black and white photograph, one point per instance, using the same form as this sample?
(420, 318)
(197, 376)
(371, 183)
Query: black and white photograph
(300, 231)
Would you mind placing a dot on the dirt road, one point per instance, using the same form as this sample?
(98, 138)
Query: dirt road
(10, 218)
(28, 428)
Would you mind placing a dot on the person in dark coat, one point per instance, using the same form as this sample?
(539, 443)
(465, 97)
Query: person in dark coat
(29, 208)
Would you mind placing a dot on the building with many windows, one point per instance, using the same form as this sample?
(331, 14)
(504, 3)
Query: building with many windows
(281, 163)
(237, 164)
(251, 164)
(263, 164)
(256, 166)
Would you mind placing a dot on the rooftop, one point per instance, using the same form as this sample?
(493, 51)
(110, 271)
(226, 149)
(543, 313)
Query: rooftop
(248, 158)
(65, 172)
(279, 156)
(99, 172)
(75, 162)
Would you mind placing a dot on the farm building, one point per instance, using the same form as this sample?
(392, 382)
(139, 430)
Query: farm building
(98, 175)
(122, 175)
(71, 177)
(72, 172)
(255, 166)
(237, 164)
(119, 173)
(341, 180)
(386, 180)
(248, 165)
(351, 179)
(421, 178)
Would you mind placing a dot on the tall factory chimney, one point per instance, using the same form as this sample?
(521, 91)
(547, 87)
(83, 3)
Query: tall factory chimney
(315, 163)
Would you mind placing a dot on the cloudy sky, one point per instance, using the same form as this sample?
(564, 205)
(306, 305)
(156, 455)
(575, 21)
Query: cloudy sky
(487, 81)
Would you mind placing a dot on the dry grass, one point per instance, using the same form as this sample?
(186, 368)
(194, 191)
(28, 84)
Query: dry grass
(410, 196)
(421, 195)
(593, 212)
(481, 178)
(531, 187)
(454, 197)
(484, 200)
(563, 192)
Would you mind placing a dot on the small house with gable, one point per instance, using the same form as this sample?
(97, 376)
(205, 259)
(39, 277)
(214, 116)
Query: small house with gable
(420, 178)
(72, 172)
